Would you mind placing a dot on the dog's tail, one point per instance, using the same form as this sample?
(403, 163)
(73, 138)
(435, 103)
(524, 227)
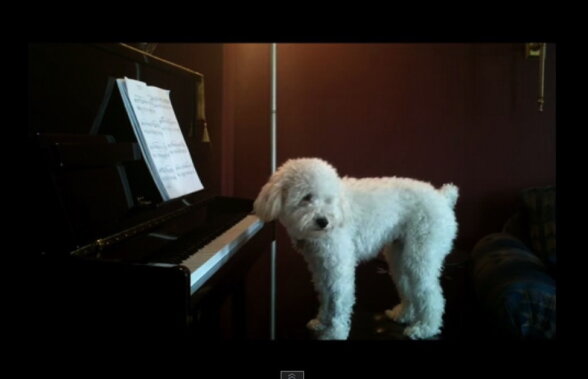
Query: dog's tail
(451, 193)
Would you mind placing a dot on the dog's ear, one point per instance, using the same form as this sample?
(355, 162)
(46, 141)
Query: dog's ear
(269, 201)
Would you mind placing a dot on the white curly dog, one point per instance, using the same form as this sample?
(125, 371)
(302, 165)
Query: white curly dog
(337, 223)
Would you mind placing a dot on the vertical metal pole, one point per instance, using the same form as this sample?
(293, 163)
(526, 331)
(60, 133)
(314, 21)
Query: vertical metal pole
(541, 97)
(273, 58)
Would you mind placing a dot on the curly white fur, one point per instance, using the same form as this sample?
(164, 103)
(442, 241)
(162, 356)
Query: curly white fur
(338, 222)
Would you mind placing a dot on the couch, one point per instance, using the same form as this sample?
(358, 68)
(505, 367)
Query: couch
(514, 271)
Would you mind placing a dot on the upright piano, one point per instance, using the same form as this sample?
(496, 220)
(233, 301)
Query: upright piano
(114, 258)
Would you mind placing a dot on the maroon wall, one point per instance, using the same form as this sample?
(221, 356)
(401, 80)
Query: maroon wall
(249, 66)
(437, 112)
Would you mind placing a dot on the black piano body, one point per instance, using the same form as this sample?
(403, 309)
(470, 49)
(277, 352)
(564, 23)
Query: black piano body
(114, 258)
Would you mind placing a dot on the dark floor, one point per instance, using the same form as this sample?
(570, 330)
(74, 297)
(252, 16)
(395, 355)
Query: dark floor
(375, 293)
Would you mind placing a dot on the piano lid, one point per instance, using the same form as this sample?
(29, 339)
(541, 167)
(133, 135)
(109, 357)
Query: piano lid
(89, 177)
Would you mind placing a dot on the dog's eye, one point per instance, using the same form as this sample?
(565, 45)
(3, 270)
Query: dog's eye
(307, 198)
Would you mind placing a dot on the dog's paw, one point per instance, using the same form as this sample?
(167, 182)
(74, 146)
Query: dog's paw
(333, 333)
(419, 331)
(315, 325)
(399, 314)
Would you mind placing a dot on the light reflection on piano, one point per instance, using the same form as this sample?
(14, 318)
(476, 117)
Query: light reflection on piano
(206, 261)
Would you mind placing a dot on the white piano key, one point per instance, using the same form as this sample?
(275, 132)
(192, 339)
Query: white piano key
(206, 261)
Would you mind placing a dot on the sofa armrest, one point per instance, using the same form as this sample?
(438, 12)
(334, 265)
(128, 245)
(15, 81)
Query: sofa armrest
(513, 289)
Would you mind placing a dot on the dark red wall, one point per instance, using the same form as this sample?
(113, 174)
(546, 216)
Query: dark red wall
(249, 68)
(462, 113)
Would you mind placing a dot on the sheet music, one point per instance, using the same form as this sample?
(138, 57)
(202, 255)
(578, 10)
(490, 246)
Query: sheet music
(160, 138)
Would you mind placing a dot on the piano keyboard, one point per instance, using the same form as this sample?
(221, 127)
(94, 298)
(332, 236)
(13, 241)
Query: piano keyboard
(207, 260)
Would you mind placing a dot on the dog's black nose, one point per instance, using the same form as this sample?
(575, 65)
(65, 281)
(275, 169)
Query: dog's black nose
(322, 222)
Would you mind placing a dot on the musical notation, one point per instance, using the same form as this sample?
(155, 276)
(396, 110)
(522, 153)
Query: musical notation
(160, 138)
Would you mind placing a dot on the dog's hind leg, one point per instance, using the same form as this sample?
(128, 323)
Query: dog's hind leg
(402, 312)
(421, 267)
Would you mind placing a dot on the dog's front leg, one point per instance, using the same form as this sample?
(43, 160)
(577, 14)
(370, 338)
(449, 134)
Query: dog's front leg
(323, 317)
(334, 280)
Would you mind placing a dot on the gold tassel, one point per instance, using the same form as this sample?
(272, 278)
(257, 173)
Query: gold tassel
(201, 112)
(205, 136)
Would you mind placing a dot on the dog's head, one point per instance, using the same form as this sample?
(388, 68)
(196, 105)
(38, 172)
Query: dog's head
(305, 195)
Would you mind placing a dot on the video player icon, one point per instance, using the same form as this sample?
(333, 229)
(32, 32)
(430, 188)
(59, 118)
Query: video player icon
(291, 374)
